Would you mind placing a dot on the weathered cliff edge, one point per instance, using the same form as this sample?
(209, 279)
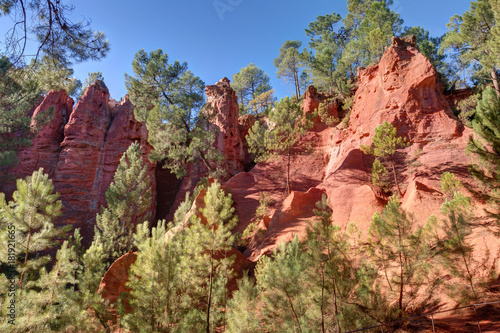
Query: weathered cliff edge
(80, 149)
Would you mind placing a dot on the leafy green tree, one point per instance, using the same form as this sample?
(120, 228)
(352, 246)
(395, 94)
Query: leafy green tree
(457, 252)
(31, 213)
(291, 65)
(17, 95)
(485, 146)
(285, 290)
(51, 74)
(206, 265)
(384, 144)
(250, 82)
(471, 38)
(92, 77)
(56, 35)
(288, 126)
(168, 97)
(373, 24)
(128, 200)
(327, 43)
(399, 247)
(159, 296)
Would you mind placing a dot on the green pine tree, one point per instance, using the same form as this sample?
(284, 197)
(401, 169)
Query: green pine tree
(242, 308)
(291, 65)
(262, 103)
(384, 144)
(286, 291)
(471, 38)
(457, 250)
(289, 125)
(17, 95)
(248, 83)
(31, 213)
(396, 245)
(206, 265)
(327, 44)
(159, 295)
(169, 98)
(128, 200)
(485, 147)
(56, 35)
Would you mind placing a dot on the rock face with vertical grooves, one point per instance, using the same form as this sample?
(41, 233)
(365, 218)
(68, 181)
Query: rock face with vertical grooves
(46, 146)
(402, 89)
(224, 108)
(81, 148)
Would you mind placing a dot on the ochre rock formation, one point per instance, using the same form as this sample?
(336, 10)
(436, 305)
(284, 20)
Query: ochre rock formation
(311, 103)
(81, 148)
(225, 111)
(46, 146)
(402, 89)
(113, 284)
(290, 220)
(245, 123)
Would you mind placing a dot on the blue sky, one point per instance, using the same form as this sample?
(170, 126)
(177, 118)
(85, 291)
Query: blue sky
(217, 43)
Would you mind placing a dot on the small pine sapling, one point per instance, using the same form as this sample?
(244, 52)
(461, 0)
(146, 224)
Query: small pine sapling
(384, 144)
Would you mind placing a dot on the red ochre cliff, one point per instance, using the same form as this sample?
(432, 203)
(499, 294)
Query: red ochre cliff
(80, 149)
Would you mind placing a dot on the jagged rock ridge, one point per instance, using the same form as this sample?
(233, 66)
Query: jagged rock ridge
(81, 148)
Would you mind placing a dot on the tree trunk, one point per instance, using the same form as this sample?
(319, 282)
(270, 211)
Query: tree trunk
(323, 300)
(396, 178)
(288, 175)
(21, 279)
(210, 290)
(494, 77)
(297, 87)
(401, 288)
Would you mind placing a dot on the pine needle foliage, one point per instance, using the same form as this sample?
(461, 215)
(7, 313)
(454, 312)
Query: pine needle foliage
(17, 95)
(209, 241)
(169, 98)
(32, 213)
(485, 147)
(457, 249)
(242, 308)
(159, 296)
(384, 144)
(399, 248)
(334, 275)
(285, 290)
(286, 125)
(291, 66)
(128, 200)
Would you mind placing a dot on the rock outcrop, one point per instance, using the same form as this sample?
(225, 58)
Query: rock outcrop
(402, 89)
(245, 123)
(222, 106)
(225, 111)
(113, 284)
(46, 146)
(81, 148)
(312, 101)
